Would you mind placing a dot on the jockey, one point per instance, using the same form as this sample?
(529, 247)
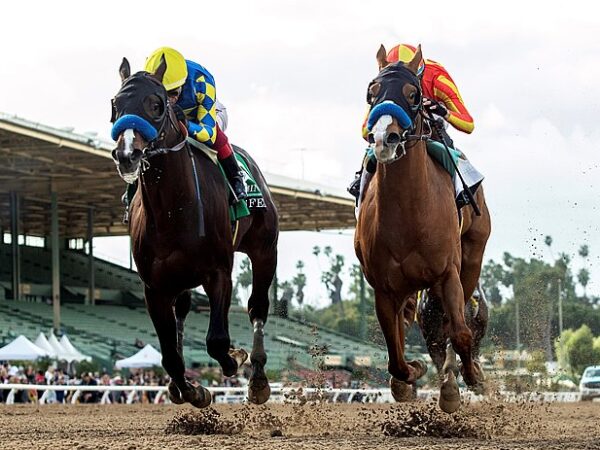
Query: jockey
(191, 89)
(440, 98)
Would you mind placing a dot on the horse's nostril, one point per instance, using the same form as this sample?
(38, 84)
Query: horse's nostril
(392, 139)
(137, 154)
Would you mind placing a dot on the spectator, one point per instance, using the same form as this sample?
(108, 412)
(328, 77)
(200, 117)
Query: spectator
(89, 396)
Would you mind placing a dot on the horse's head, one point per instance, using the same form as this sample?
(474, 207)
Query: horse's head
(395, 99)
(140, 112)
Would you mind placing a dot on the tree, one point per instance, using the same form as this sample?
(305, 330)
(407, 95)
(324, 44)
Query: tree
(584, 251)
(584, 277)
(331, 277)
(244, 279)
(582, 352)
(493, 276)
(282, 304)
(576, 350)
(548, 242)
(299, 282)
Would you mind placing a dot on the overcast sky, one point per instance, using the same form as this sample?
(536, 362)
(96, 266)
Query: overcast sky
(293, 75)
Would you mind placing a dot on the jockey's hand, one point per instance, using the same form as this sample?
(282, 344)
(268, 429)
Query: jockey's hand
(180, 114)
(434, 107)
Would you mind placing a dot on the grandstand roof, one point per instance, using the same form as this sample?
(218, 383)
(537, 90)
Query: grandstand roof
(37, 159)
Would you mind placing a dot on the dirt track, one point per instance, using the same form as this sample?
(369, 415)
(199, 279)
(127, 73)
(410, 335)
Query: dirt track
(356, 427)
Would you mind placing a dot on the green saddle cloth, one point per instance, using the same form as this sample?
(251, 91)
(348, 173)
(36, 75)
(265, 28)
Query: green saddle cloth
(438, 152)
(255, 198)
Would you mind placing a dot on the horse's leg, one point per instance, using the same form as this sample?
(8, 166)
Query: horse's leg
(161, 312)
(431, 322)
(218, 289)
(460, 335)
(183, 304)
(264, 263)
(477, 317)
(473, 243)
(403, 374)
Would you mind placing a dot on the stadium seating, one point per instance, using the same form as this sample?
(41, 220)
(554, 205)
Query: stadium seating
(109, 329)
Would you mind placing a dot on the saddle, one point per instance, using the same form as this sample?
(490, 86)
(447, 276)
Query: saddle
(255, 199)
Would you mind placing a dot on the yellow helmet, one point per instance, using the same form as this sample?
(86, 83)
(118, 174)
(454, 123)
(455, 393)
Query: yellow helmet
(176, 72)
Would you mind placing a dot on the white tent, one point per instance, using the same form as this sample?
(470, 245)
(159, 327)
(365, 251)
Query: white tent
(59, 351)
(42, 342)
(146, 357)
(72, 354)
(21, 349)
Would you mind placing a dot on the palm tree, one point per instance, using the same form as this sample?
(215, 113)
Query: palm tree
(548, 242)
(584, 277)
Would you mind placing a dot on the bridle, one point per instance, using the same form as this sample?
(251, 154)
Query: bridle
(412, 118)
(153, 130)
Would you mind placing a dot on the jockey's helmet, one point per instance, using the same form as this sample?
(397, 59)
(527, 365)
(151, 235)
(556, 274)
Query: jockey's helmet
(405, 53)
(176, 72)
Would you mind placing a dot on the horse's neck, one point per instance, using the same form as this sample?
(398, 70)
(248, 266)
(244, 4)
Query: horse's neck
(407, 181)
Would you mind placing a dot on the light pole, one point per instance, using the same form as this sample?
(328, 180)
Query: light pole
(560, 314)
(518, 332)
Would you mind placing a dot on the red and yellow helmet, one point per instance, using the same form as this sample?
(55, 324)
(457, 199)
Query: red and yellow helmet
(176, 72)
(405, 53)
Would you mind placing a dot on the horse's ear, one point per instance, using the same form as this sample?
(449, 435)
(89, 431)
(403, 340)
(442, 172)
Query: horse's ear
(124, 69)
(162, 68)
(382, 57)
(414, 63)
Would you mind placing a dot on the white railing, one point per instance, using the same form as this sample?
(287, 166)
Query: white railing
(278, 394)
(220, 394)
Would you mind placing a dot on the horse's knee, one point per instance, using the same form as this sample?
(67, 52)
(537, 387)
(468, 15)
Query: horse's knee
(462, 338)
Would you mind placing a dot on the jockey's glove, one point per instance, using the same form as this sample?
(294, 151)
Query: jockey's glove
(435, 107)
(180, 114)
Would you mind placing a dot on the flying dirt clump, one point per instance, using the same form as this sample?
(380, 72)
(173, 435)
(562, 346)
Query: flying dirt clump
(429, 421)
(206, 421)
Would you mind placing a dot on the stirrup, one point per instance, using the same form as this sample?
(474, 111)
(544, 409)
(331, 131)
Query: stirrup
(354, 187)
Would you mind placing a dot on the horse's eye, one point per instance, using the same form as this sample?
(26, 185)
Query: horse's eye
(412, 96)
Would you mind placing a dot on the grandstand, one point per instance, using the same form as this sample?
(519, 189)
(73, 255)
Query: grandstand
(58, 186)
(120, 315)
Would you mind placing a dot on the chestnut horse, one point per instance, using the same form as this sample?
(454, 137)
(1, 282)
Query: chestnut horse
(182, 235)
(409, 237)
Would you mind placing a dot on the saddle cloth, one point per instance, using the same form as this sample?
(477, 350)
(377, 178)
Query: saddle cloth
(255, 199)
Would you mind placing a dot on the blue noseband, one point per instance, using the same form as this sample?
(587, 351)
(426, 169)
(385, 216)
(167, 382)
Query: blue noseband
(389, 108)
(137, 123)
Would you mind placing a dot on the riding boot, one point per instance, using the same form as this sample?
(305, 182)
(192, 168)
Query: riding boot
(126, 199)
(235, 176)
(354, 188)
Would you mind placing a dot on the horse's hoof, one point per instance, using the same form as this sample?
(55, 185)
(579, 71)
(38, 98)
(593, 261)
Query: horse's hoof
(401, 391)
(239, 355)
(259, 390)
(420, 366)
(478, 389)
(476, 380)
(174, 394)
(449, 394)
(203, 397)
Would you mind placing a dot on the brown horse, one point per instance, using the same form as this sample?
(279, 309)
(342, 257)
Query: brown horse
(182, 235)
(408, 235)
